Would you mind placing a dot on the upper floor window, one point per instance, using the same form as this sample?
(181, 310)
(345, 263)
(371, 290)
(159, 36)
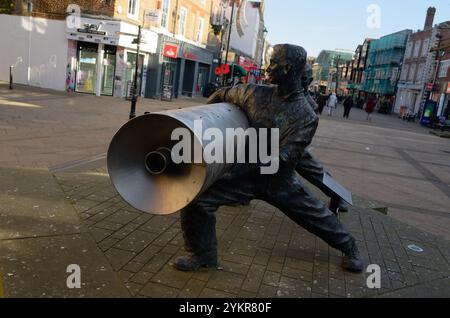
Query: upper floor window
(404, 74)
(443, 70)
(417, 48)
(201, 23)
(412, 73)
(203, 2)
(425, 47)
(420, 72)
(409, 49)
(133, 8)
(183, 20)
(165, 13)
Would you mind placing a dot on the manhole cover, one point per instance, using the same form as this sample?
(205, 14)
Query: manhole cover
(415, 248)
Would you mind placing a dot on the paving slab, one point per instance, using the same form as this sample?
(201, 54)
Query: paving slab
(38, 268)
(263, 253)
(32, 204)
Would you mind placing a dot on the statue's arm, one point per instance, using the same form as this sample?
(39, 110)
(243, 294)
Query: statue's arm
(297, 140)
(237, 95)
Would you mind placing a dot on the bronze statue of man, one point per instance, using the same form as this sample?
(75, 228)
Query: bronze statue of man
(308, 167)
(282, 106)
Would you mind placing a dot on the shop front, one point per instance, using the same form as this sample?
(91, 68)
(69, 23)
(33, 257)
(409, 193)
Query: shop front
(102, 57)
(182, 68)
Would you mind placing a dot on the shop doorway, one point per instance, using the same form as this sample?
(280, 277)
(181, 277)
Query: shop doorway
(188, 80)
(87, 67)
(202, 79)
(168, 74)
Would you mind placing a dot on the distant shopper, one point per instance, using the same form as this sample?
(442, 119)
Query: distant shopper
(348, 105)
(322, 102)
(332, 104)
(369, 108)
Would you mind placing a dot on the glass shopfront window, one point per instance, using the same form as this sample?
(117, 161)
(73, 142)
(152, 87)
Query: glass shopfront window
(109, 69)
(87, 67)
(131, 69)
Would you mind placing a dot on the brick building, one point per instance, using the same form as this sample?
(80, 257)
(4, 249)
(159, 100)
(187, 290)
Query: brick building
(418, 69)
(441, 93)
(358, 67)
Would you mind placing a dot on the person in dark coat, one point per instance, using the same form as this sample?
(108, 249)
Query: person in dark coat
(322, 102)
(348, 105)
(281, 106)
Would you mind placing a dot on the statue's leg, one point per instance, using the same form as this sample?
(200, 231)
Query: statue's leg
(292, 197)
(312, 170)
(198, 220)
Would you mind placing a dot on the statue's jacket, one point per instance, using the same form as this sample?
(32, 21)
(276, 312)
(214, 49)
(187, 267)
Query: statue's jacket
(292, 115)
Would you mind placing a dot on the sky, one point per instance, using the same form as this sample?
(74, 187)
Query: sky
(343, 24)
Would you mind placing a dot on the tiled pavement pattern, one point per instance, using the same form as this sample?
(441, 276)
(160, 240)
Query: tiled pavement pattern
(262, 253)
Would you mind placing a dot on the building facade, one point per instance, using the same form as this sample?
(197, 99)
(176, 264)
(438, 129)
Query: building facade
(358, 66)
(382, 72)
(418, 69)
(100, 54)
(246, 44)
(441, 92)
(326, 68)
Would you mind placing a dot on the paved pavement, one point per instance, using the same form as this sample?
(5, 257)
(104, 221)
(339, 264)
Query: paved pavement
(72, 215)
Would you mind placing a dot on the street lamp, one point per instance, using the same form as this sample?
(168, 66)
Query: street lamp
(134, 97)
(338, 58)
(230, 28)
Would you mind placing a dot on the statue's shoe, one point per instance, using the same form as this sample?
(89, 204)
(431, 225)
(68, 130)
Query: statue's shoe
(194, 263)
(352, 260)
(343, 207)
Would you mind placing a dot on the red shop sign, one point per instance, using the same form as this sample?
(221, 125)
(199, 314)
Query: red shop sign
(170, 51)
(189, 55)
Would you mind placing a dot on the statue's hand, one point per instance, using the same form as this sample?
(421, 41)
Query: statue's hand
(217, 97)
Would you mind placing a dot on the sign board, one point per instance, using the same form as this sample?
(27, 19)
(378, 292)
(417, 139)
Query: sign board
(94, 31)
(337, 189)
(170, 51)
(166, 94)
(151, 15)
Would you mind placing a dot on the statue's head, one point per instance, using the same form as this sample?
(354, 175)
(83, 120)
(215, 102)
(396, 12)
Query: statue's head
(307, 76)
(287, 64)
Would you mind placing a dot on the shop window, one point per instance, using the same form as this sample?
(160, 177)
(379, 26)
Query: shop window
(87, 68)
(131, 70)
(109, 69)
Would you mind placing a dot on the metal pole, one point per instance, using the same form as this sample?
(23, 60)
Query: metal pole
(10, 77)
(337, 73)
(134, 98)
(229, 35)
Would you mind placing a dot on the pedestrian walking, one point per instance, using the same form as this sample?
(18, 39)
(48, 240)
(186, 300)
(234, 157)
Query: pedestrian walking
(369, 108)
(348, 105)
(322, 102)
(332, 104)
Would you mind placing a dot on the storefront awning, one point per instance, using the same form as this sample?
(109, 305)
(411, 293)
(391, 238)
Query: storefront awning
(239, 71)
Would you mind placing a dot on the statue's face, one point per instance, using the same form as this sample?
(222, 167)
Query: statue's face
(279, 68)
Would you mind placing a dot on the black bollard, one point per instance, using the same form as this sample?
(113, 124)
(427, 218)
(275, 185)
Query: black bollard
(10, 78)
